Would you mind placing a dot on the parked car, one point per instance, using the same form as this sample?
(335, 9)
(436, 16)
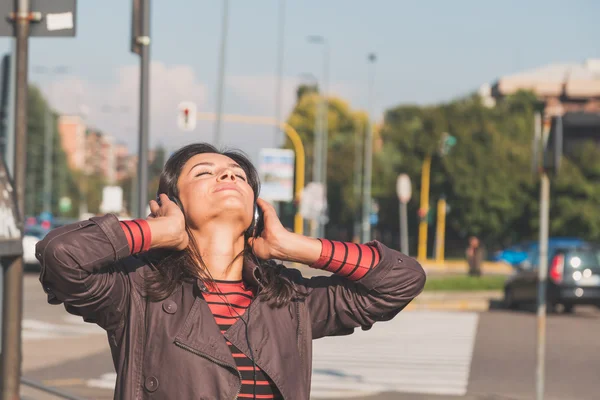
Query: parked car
(573, 278)
(31, 236)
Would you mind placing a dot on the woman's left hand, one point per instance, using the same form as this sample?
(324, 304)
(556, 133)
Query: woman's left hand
(271, 243)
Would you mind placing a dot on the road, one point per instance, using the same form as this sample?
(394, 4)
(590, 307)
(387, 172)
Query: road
(418, 356)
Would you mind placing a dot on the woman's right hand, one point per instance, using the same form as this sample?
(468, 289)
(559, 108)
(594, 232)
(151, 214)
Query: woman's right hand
(167, 224)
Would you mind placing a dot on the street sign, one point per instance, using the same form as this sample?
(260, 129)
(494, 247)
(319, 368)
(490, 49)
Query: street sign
(312, 202)
(186, 116)
(65, 204)
(10, 226)
(112, 199)
(403, 188)
(276, 172)
(56, 18)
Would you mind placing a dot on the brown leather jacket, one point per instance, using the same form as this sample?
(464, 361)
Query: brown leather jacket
(174, 350)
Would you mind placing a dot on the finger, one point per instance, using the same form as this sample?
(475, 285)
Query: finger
(154, 207)
(265, 205)
(164, 200)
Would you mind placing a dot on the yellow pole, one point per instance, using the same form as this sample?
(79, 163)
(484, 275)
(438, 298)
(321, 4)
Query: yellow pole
(295, 139)
(425, 175)
(441, 230)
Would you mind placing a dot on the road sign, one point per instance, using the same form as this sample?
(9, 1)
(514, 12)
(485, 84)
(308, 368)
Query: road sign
(10, 227)
(186, 116)
(112, 199)
(276, 171)
(403, 188)
(56, 18)
(312, 202)
(65, 204)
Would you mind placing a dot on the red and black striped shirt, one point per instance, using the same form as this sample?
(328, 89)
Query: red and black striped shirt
(229, 300)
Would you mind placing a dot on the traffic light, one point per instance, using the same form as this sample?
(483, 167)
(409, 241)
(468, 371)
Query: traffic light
(186, 118)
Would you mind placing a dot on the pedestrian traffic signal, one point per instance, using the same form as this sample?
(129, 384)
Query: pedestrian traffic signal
(186, 119)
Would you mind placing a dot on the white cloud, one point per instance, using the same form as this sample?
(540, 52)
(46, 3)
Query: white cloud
(113, 107)
(249, 95)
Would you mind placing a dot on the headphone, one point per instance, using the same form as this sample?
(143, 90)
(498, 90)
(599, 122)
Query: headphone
(254, 230)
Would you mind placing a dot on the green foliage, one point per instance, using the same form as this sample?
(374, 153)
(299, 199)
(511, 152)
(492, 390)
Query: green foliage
(343, 126)
(464, 283)
(64, 181)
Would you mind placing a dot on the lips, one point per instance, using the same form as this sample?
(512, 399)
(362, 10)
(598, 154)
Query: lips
(227, 186)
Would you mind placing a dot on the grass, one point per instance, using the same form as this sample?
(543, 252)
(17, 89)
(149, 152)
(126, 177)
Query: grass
(463, 282)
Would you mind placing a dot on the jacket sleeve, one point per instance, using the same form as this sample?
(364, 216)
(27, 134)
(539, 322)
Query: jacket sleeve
(337, 305)
(80, 267)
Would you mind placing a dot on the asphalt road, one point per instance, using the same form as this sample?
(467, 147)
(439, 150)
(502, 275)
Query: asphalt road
(483, 356)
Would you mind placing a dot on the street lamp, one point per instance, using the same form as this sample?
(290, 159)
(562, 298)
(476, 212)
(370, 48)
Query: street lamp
(49, 134)
(366, 223)
(221, 79)
(321, 137)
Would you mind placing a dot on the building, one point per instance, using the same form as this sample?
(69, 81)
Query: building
(88, 150)
(562, 87)
(72, 136)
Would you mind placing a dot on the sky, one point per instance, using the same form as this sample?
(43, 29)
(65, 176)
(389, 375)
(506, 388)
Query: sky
(427, 52)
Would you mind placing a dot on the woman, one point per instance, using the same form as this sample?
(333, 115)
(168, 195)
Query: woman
(192, 307)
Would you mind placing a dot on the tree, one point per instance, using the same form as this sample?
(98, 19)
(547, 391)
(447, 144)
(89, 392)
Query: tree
(343, 125)
(63, 179)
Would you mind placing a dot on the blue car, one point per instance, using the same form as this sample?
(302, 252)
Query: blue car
(520, 253)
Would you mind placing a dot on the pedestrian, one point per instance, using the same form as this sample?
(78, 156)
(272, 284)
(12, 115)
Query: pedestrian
(475, 255)
(194, 305)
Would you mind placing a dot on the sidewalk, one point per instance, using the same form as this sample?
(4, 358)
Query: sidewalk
(457, 301)
(461, 267)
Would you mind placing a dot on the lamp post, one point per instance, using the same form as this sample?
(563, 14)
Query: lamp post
(366, 223)
(221, 79)
(321, 137)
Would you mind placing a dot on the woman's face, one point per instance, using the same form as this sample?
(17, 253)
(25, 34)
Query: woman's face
(213, 186)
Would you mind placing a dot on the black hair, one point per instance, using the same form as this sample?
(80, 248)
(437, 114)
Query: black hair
(173, 267)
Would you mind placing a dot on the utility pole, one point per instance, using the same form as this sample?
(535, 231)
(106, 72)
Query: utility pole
(280, 56)
(367, 179)
(543, 266)
(141, 46)
(358, 148)
(221, 80)
(12, 310)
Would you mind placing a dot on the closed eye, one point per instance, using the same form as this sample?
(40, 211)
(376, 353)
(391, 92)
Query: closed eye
(242, 177)
(202, 173)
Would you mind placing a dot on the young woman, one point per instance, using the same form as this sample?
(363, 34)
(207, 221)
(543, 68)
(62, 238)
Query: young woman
(192, 304)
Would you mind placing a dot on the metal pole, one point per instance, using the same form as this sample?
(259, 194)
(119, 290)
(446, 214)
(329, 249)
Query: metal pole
(542, 277)
(280, 54)
(358, 141)
(144, 41)
(366, 225)
(403, 228)
(440, 234)
(12, 310)
(221, 81)
(425, 175)
(48, 150)
(325, 127)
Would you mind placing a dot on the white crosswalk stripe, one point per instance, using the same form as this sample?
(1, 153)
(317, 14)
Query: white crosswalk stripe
(68, 326)
(416, 352)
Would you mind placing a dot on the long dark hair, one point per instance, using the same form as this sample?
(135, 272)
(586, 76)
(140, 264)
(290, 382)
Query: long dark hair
(172, 268)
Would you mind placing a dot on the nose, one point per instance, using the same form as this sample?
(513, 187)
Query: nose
(227, 174)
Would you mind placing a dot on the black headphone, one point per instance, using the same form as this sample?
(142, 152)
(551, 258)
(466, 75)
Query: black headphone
(254, 230)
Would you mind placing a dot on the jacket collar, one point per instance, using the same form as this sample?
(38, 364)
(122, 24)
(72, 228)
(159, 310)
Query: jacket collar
(250, 274)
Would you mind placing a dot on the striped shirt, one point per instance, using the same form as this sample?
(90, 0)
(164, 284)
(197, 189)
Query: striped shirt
(229, 300)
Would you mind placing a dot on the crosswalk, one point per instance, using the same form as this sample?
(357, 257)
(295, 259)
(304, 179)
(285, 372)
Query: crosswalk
(416, 352)
(68, 326)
